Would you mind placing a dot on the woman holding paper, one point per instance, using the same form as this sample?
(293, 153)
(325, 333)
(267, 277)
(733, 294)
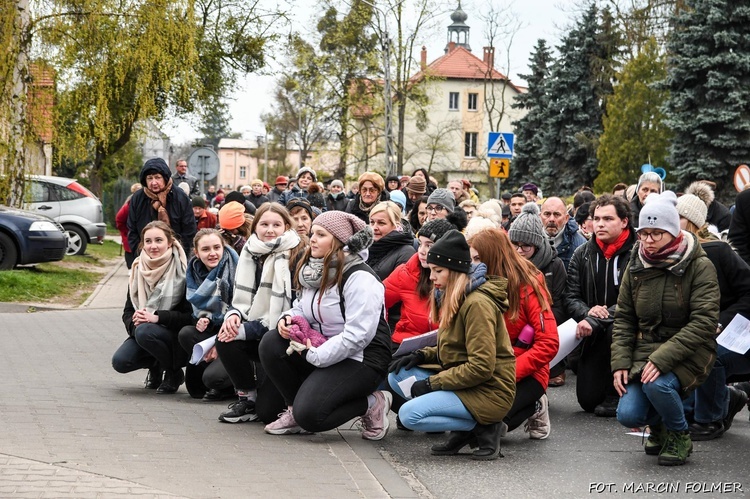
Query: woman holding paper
(263, 290)
(155, 310)
(663, 341)
(475, 386)
(716, 404)
(210, 288)
(531, 326)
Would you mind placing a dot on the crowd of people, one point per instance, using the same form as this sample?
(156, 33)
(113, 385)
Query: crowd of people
(306, 300)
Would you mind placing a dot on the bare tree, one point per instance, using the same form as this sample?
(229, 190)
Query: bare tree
(437, 142)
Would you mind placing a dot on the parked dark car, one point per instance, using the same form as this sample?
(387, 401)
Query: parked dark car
(27, 237)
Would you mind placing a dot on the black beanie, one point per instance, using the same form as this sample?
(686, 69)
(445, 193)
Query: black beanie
(435, 229)
(452, 252)
(199, 202)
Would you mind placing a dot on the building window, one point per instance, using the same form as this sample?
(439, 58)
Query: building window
(453, 101)
(243, 171)
(470, 144)
(472, 102)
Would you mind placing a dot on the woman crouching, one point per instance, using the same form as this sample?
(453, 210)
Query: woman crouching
(475, 387)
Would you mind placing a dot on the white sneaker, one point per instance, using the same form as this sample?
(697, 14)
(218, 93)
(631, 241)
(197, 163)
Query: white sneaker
(285, 425)
(538, 425)
(375, 421)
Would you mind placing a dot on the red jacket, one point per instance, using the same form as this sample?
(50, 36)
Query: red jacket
(207, 221)
(121, 222)
(534, 361)
(401, 286)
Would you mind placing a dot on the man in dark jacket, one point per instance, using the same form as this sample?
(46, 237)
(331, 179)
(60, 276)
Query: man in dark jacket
(594, 277)
(278, 188)
(561, 230)
(160, 199)
(181, 175)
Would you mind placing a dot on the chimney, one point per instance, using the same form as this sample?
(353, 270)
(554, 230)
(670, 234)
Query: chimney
(489, 57)
(451, 46)
(423, 62)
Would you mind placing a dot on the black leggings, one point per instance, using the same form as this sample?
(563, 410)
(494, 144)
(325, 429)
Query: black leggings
(323, 398)
(528, 391)
(595, 382)
(241, 361)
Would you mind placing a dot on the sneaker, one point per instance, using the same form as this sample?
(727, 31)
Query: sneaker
(375, 421)
(657, 435)
(538, 425)
(285, 425)
(737, 400)
(700, 432)
(676, 449)
(608, 408)
(240, 411)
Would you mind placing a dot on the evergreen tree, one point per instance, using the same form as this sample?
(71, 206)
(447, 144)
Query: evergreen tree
(528, 143)
(709, 78)
(634, 129)
(215, 123)
(573, 115)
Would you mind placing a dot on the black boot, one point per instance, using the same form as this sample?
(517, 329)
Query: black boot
(488, 440)
(173, 378)
(153, 378)
(457, 440)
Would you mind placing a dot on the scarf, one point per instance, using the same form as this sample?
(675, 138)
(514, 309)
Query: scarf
(609, 250)
(400, 236)
(211, 292)
(159, 202)
(543, 255)
(477, 277)
(669, 256)
(158, 283)
(273, 293)
(311, 274)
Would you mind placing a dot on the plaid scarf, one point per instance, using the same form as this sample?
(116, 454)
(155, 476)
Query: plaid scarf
(158, 283)
(670, 255)
(273, 293)
(159, 202)
(211, 292)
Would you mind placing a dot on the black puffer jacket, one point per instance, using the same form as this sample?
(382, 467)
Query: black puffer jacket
(354, 208)
(391, 251)
(734, 280)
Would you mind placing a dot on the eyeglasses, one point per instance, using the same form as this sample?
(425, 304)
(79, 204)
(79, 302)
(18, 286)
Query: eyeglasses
(435, 207)
(522, 246)
(655, 236)
(369, 190)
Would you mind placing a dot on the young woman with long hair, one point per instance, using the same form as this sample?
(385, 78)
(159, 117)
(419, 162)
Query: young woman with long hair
(475, 388)
(155, 310)
(263, 291)
(339, 305)
(531, 326)
(210, 289)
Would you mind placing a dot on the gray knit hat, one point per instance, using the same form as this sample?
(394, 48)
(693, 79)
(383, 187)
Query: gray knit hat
(307, 169)
(527, 227)
(660, 212)
(444, 198)
(692, 208)
(337, 182)
(348, 229)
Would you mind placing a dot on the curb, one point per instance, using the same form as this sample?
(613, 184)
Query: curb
(101, 284)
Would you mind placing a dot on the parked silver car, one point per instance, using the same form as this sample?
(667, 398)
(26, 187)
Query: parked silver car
(70, 204)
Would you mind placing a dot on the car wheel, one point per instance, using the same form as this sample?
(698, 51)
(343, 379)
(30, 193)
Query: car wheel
(8, 253)
(77, 240)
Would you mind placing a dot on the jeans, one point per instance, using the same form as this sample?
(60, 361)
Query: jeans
(712, 397)
(651, 403)
(323, 398)
(130, 357)
(440, 410)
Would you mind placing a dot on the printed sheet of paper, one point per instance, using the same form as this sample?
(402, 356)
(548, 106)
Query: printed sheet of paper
(405, 385)
(414, 343)
(736, 336)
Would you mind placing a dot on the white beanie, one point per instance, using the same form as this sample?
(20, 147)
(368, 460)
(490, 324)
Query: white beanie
(692, 208)
(660, 212)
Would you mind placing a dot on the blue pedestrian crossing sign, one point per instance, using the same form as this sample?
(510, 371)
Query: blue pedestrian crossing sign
(500, 145)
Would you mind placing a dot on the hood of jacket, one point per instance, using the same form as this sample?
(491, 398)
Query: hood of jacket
(156, 165)
(496, 288)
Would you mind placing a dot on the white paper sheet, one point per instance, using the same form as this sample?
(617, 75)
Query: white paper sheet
(428, 339)
(567, 333)
(405, 385)
(736, 335)
(200, 349)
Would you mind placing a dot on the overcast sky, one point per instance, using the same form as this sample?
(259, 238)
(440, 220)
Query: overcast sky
(539, 19)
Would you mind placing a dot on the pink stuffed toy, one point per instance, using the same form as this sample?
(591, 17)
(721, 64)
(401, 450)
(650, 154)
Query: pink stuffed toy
(300, 331)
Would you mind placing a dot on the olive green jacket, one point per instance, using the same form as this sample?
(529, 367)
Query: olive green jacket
(669, 317)
(476, 356)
